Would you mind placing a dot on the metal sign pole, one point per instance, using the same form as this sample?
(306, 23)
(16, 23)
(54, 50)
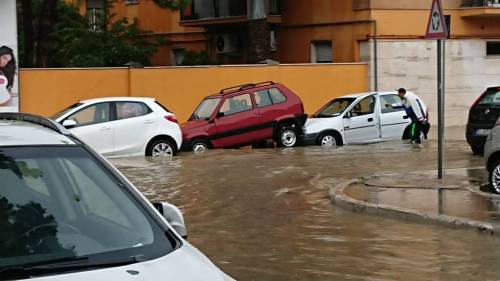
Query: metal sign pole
(440, 69)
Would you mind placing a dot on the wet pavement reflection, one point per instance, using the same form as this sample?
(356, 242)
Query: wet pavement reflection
(266, 214)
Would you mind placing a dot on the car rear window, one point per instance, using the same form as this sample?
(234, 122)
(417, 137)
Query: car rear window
(490, 97)
(161, 105)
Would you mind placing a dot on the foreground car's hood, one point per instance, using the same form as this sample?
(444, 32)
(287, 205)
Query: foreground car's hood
(184, 264)
(193, 124)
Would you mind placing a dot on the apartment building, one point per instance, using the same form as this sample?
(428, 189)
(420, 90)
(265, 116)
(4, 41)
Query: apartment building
(387, 34)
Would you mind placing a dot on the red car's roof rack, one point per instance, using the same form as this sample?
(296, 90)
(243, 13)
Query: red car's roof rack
(243, 87)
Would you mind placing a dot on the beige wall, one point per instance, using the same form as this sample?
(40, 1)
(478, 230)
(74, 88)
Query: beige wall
(47, 91)
(412, 64)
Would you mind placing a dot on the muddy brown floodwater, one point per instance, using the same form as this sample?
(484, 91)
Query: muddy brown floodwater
(266, 215)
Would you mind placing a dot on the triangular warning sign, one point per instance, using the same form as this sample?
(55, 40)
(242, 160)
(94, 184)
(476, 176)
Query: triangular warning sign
(436, 27)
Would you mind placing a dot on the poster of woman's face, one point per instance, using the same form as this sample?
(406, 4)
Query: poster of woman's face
(9, 94)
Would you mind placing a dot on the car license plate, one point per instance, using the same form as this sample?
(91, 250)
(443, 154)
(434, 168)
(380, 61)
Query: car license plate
(482, 132)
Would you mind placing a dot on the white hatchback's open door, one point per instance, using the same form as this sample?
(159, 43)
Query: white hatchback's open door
(361, 123)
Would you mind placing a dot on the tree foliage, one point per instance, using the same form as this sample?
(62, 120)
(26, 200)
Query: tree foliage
(53, 33)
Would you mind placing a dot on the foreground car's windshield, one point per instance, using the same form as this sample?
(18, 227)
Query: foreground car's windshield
(334, 108)
(205, 109)
(60, 203)
(61, 113)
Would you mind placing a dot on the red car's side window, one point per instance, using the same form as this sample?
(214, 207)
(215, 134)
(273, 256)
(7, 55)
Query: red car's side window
(236, 104)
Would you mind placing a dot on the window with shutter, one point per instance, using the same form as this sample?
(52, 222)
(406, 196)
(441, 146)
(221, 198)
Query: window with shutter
(321, 52)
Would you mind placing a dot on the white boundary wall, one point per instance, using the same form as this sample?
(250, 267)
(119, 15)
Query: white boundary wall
(412, 64)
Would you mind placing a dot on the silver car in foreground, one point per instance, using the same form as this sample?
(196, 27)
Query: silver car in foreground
(492, 157)
(66, 214)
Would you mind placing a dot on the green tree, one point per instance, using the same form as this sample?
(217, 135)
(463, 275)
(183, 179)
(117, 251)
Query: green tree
(52, 33)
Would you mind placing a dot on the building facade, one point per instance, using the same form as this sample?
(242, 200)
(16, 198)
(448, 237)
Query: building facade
(387, 34)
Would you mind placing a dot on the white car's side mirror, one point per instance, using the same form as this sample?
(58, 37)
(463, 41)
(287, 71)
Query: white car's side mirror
(69, 123)
(174, 217)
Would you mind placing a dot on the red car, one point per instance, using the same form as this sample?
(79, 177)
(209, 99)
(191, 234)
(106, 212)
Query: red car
(248, 114)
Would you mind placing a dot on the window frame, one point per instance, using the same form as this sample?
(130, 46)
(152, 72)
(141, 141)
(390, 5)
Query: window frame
(268, 95)
(392, 110)
(314, 53)
(359, 102)
(112, 114)
(496, 43)
(115, 105)
(233, 96)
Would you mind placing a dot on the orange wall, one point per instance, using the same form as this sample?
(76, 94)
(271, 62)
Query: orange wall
(414, 22)
(295, 43)
(182, 88)
(317, 11)
(49, 90)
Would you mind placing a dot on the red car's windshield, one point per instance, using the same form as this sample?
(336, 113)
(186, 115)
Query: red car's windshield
(205, 109)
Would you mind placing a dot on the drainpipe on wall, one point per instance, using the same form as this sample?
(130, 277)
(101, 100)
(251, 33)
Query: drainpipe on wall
(375, 56)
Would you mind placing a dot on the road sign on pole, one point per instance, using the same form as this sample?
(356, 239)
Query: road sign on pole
(436, 26)
(436, 29)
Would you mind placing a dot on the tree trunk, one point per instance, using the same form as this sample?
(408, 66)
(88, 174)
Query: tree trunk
(28, 40)
(47, 20)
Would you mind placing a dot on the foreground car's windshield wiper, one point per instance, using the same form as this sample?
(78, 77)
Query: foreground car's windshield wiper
(62, 265)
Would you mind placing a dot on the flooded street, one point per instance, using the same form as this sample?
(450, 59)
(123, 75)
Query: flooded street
(266, 214)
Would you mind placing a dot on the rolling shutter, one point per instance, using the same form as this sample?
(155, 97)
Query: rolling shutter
(321, 52)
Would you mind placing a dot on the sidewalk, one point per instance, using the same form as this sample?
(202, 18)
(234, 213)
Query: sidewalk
(457, 200)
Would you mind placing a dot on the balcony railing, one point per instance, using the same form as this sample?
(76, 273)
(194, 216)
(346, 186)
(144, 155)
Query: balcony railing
(219, 9)
(481, 3)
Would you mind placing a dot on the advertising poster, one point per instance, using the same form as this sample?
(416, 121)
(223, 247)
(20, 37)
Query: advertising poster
(9, 75)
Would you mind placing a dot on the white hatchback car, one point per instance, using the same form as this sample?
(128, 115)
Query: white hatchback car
(358, 118)
(67, 214)
(123, 126)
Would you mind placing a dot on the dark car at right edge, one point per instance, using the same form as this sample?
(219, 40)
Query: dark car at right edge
(483, 114)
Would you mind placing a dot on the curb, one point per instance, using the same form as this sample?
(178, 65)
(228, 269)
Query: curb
(340, 199)
(481, 193)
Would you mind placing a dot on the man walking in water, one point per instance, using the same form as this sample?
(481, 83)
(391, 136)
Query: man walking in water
(417, 112)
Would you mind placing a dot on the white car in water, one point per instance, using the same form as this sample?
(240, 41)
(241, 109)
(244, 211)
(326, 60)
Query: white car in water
(68, 215)
(358, 118)
(123, 126)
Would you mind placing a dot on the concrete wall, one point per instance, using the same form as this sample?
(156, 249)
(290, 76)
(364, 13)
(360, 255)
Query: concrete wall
(412, 64)
(47, 91)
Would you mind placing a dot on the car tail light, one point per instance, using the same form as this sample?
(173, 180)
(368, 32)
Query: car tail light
(171, 119)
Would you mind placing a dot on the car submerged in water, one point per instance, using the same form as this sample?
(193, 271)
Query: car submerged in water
(358, 118)
(248, 114)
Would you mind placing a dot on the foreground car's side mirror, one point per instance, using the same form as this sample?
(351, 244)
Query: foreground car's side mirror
(69, 123)
(174, 217)
(348, 115)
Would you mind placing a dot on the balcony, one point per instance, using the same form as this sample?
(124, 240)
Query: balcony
(481, 3)
(480, 8)
(203, 12)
